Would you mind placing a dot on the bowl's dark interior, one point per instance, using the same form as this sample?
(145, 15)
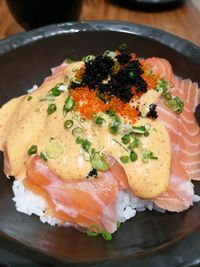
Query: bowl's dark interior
(28, 65)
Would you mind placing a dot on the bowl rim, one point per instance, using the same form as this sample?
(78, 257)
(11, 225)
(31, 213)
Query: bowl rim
(185, 47)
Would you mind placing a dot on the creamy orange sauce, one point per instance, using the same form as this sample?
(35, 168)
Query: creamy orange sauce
(25, 123)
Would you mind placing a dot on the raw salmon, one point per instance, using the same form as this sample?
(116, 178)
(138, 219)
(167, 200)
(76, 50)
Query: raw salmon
(179, 195)
(161, 67)
(85, 203)
(118, 172)
(185, 137)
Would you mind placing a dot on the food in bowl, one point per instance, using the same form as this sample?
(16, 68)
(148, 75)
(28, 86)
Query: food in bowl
(101, 139)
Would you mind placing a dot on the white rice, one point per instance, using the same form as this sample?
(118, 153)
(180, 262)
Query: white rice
(28, 203)
(32, 89)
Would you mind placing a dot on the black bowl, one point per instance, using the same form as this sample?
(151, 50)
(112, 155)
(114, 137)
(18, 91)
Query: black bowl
(151, 238)
(32, 14)
(150, 5)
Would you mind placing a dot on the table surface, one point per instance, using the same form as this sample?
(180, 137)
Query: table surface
(183, 21)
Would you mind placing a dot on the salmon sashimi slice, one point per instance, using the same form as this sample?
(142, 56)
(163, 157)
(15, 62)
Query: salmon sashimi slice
(118, 172)
(185, 138)
(178, 197)
(183, 128)
(180, 193)
(161, 67)
(85, 203)
(187, 90)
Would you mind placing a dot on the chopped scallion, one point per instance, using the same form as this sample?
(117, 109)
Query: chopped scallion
(51, 109)
(124, 159)
(114, 125)
(179, 101)
(77, 131)
(99, 120)
(140, 130)
(93, 231)
(131, 75)
(43, 156)
(86, 145)
(69, 60)
(69, 104)
(133, 156)
(88, 58)
(99, 163)
(84, 142)
(68, 124)
(32, 150)
(49, 98)
(126, 138)
(29, 98)
(146, 155)
(55, 91)
(53, 149)
(134, 144)
(123, 47)
(106, 236)
(118, 225)
(110, 113)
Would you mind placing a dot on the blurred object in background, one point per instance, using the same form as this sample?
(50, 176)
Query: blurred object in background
(32, 14)
(149, 5)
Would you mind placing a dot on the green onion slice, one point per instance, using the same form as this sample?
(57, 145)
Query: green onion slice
(84, 142)
(88, 58)
(51, 109)
(68, 124)
(99, 120)
(114, 125)
(124, 159)
(111, 113)
(32, 150)
(55, 91)
(106, 236)
(93, 231)
(50, 98)
(53, 149)
(69, 60)
(126, 139)
(118, 225)
(140, 130)
(43, 156)
(123, 47)
(146, 155)
(77, 131)
(179, 101)
(133, 156)
(99, 163)
(131, 75)
(69, 104)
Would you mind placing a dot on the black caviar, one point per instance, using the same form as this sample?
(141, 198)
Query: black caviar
(97, 70)
(123, 58)
(119, 83)
(93, 173)
(152, 111)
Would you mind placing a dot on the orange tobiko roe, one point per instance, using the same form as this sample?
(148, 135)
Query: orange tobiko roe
(88, 104)
(150, 79)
